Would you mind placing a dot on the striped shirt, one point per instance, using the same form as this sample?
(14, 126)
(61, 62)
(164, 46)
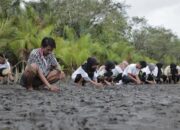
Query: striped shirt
(45, 63)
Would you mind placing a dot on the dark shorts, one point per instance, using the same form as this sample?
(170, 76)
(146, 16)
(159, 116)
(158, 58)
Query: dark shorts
(117, 78)
(78, 78)
(1, 70)
(36, 82)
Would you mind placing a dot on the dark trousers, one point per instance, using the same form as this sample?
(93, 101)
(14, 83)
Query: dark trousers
(126, 79)
(118, 78)
(78, 78)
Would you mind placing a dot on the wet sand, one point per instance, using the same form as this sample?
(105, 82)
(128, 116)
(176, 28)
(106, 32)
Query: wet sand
(129, 107)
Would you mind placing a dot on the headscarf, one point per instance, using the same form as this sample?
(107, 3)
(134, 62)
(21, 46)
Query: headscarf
(87, 67)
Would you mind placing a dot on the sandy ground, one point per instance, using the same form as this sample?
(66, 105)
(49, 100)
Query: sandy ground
(115, 108)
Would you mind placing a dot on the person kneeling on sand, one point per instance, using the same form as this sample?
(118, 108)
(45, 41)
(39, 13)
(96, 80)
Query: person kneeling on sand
(117, 72)
(5, 68)
(87, 73)
(42, 67)
(147, 75)
(105, 74)
(131, 72)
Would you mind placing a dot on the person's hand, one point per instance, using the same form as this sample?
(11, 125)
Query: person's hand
(139, 82)
(30, 88)
(108, 83)
(99, 84)
(54, 88)
(62, 75)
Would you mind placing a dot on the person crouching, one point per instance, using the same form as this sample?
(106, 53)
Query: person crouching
(87, 73)
(147, 75)
(105, 74)
(117, 72)
(42, 68)
(130, 74)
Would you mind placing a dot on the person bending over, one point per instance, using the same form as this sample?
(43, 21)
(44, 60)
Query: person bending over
(117, 72)
(42, 67)
(87, 73)
(148, 74)
(131, 72)
(105, 73)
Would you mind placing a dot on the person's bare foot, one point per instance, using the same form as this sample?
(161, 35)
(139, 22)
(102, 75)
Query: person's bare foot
(30, 88)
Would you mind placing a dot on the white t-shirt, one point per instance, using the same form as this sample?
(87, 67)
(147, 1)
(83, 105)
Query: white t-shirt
(83, 74)
(6, 65)
(131, 69)
(147, 71)
(117, 70)
(178, 67)
(101, 71)
(167, 71)
(155, 71)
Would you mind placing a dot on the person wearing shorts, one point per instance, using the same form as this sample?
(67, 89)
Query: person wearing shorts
(42, 67)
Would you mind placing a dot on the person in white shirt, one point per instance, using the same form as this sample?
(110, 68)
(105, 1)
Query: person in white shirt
(171, 73)
(5, 68)
(118, 70)
(148, 74)
(131, 72)
(87, 73)
(105, 74)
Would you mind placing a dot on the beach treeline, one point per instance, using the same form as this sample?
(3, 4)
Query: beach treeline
(83, 28)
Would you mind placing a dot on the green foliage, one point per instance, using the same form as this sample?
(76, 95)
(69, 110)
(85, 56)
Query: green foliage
(157, 43)
(73, 53)
(83, 28)
(6, 31)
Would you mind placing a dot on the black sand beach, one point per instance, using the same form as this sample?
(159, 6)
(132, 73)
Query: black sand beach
(116, 108)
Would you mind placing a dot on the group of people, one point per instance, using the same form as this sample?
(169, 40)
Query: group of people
(112, 73)
(42, 69)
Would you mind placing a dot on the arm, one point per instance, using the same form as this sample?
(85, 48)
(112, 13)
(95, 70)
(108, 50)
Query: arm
(135, 79)
(96, 83)
(131, 77)
(44, 80)
(151, 82)
(34, 59)
(57, 67)
(107, 82)
(138, 81)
